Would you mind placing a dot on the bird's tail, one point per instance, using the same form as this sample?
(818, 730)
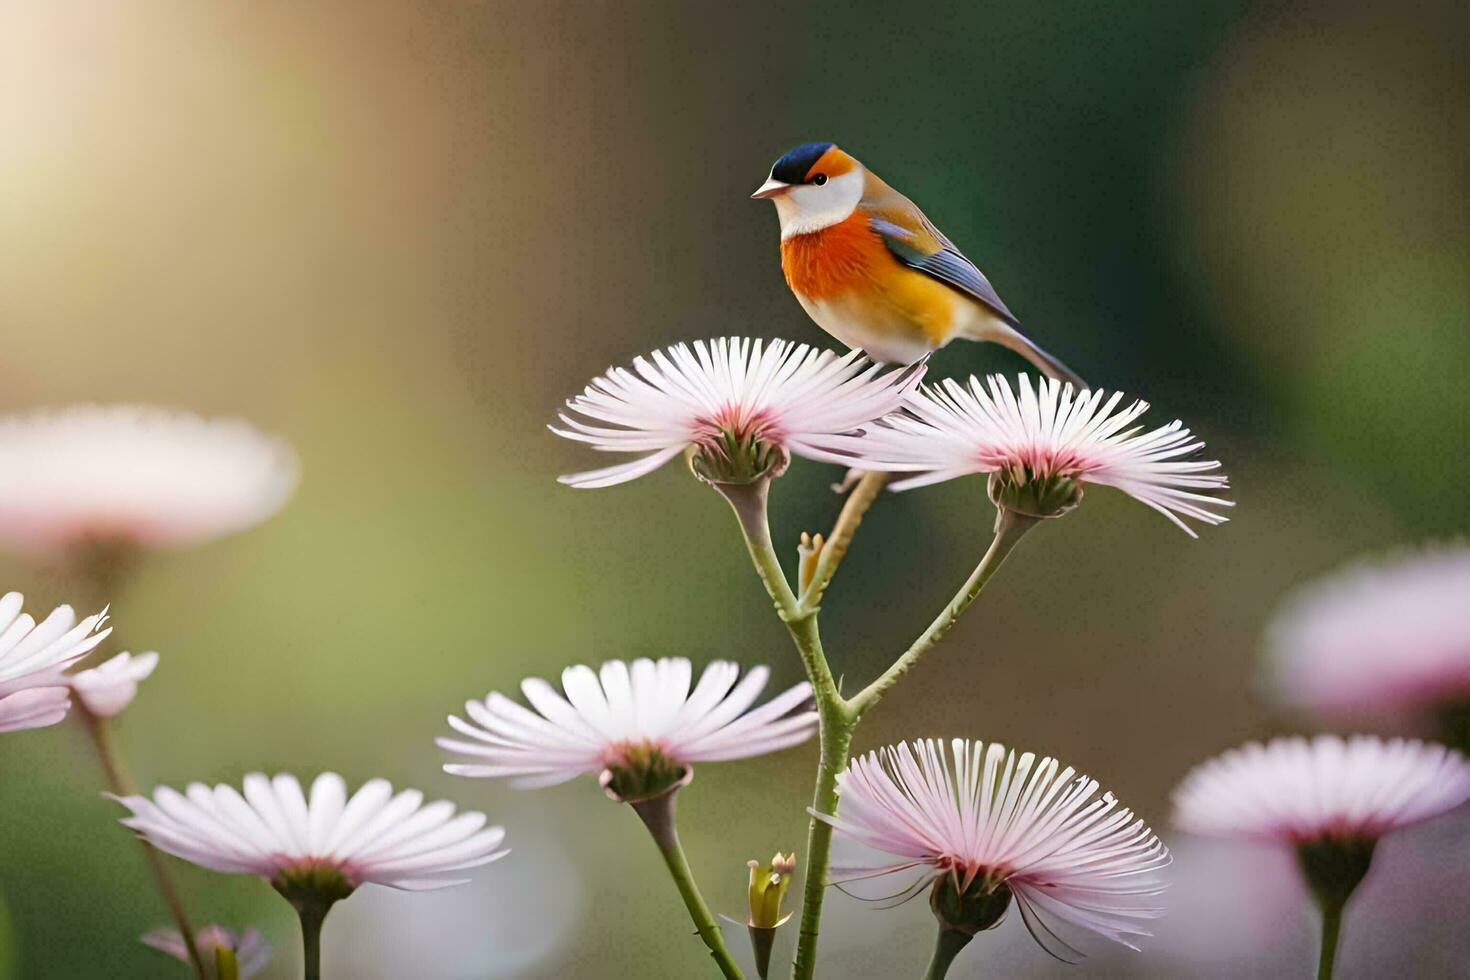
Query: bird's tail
(1012, 339)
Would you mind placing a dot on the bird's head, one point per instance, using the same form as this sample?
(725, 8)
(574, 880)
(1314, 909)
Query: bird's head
(813, 186)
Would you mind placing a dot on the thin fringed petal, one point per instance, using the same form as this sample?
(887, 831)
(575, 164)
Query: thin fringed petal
(600, 716)
(1297, 790)
(1046, 430)
(982, 811)
(274, 828)
(787, 396)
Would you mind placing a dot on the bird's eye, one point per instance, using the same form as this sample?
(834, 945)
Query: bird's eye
(819, 179)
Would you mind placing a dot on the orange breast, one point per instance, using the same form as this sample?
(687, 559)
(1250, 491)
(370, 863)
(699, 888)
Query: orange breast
(848, 265)
(822, 264)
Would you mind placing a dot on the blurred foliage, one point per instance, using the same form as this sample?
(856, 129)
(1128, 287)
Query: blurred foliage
(400, 234)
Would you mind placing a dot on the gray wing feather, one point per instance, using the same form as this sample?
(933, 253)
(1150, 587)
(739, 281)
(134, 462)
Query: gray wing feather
(948, 265)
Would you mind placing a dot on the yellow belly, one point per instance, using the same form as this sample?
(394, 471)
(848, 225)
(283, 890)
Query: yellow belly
(896, 318)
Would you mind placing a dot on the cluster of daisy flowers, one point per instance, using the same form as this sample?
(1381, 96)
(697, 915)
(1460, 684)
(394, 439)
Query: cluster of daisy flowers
(87, 485)
(741, 408)
(977, 826)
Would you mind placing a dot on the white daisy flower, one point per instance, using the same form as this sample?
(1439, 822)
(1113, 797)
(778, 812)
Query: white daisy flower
(989, 825)
(108, 688)
(135, 475)
(33, 691)
(1038, 444)
(1386, 637)
(745, 405)
(1299, 791)
(639, 725)
(252, 952)
(275, 831)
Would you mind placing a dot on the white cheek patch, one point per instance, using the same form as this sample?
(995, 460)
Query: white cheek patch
(808, 208)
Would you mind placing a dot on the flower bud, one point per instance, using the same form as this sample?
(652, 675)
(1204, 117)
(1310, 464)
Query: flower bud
(768, 884)
(808, 553)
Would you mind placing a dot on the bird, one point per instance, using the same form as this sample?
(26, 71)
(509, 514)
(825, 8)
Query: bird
(873, 271)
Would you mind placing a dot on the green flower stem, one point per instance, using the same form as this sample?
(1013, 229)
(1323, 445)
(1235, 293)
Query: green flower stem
(1010, 527)
(946, 947)
(657, 813)
(312, 914)
(1331, 931)
(836, 726)
(837, 716)
(122, 785)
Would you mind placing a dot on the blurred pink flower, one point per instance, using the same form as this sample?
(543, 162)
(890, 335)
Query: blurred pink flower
(988, 815)
(622, 714)
(1043, 433)
(717, 393)
(275, 832)
(1299, 791)
(252, 952)
(135, 475)
(108, 688)
(1387, 637)
(33, 691)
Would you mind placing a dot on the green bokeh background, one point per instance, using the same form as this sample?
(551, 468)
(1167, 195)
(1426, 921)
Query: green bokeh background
(400, 233)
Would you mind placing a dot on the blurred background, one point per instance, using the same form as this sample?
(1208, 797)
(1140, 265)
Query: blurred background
(400, 234)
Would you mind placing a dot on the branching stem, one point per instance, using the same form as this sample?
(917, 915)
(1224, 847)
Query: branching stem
(837, 716)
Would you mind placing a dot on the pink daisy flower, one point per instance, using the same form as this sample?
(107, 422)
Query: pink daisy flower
(135, 476)
(1328, 798)
(641, 721)
(989, 825)
(1298, 791)
(745, 405)
(1043, 440)
(317, 850)
(1386, 637)
(276, 831)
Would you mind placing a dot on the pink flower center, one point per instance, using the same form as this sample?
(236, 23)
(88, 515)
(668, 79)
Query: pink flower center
(737, 423)
(1039, 461)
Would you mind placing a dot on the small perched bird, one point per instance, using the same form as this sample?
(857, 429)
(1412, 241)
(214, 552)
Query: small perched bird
(874, 272)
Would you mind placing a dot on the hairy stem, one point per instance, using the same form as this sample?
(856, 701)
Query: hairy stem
(836, 730)
(1009, 529)
(122, 785)
(657, 813)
